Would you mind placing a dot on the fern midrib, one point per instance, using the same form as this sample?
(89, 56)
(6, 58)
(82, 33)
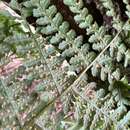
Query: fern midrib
(78, 78)
(72, 86)
(62, 34)
(41, 53)
(75, 82)
(93, 105)
(79, 13)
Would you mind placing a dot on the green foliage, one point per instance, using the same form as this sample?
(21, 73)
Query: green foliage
(12, 39)
(65, 81)
(51, 23)
(127, 7)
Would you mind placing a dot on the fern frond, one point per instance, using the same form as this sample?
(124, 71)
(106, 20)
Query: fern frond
(65, 80)
(127, 7)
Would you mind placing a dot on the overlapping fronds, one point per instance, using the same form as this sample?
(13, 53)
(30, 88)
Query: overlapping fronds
(55, 78)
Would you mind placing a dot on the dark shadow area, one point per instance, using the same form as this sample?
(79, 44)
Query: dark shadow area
(7, 1)
(121, 8)
(69, 16)
(94, 11)
(32, 20)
